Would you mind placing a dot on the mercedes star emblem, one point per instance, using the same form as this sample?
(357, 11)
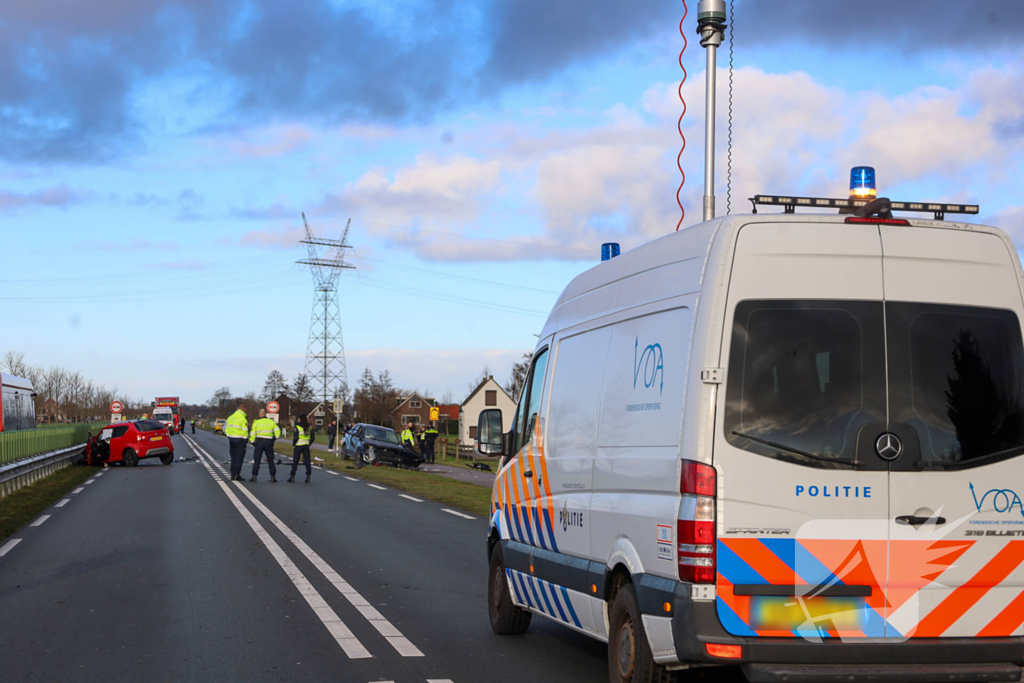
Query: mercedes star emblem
(889, 446)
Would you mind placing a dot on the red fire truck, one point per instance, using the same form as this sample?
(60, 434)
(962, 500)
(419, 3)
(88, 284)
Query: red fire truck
(166, 410)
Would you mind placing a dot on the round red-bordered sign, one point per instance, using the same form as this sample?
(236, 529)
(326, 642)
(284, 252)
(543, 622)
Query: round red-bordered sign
(273, 407)
(116, 407)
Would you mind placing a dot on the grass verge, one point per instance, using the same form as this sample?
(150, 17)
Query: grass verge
(25, 504)
(462, 495)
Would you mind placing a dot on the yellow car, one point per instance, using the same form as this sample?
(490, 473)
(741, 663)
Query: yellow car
(218, 426)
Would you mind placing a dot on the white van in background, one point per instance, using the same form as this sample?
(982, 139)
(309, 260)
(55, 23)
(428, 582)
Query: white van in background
(165, 416)
(787, 443)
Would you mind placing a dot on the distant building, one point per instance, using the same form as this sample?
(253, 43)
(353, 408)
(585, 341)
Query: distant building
(411, 410)
(488, 395)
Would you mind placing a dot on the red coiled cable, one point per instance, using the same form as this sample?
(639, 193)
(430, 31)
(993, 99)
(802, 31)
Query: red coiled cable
(679, 162)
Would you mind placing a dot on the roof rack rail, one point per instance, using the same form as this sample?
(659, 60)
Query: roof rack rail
(850, 206)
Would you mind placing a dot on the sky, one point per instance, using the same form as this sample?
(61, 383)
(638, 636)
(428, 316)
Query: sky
(156, 155)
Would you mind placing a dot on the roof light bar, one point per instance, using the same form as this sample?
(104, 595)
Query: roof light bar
(790, 205)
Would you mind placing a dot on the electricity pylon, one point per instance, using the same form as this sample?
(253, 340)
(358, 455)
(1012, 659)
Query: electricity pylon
(325, 353)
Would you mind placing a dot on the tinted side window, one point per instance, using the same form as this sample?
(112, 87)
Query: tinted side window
(805, 374)
(120, 431)
(956, 375)
(148, 426)
(535, 393)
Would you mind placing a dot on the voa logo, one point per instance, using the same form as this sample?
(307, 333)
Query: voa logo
(649, 366)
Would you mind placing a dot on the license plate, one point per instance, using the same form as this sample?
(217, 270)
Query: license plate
(156, 438)
(771, 613)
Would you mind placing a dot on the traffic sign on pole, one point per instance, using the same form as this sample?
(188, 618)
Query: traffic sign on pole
(339, 406)
(116, 407)
(273, 407)
(435, 413)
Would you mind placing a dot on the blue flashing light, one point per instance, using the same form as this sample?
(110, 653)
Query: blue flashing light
(862, 182)
(609, 250)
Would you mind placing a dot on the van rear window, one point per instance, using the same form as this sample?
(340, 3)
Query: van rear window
(805, 374)
(957, 376)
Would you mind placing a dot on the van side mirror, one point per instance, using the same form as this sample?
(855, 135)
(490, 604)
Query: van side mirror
(489, 433)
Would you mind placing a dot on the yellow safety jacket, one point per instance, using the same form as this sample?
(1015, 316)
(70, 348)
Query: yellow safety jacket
(303, 439)
(264, 428)
(407, 436)
(237, 426)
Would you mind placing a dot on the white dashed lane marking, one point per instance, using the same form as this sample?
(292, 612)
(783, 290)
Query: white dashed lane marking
(457, 513)
(415, 500)
(78, 490)
(331, 621)
(332, 472)
(6, 547)
(374, 486)
(90, 481)
(39, 522)
(402, 645)
(62, 503)
(351, 478)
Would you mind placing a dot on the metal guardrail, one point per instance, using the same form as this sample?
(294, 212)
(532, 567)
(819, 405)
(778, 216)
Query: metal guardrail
(24, 472)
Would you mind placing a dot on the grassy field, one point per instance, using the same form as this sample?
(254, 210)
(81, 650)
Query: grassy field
(457, 494)
(25, 504)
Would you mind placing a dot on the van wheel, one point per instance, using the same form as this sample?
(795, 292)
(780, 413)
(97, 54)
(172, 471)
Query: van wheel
(506, 618)
(629, 654)
(129, 458)
(167, 458)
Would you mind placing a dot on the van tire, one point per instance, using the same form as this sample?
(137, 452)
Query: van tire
(630, 659)
(506, 618)
(129, 458)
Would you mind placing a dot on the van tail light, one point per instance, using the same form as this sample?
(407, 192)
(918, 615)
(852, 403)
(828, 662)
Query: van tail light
(696, 524)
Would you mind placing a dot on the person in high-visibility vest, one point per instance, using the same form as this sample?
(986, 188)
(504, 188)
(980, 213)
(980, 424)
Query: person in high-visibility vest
(408, 439)
(303, 437)
(429, 437)
(237, 429)
(262, 435)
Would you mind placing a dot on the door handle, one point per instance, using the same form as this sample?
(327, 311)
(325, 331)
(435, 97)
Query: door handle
(913, 520)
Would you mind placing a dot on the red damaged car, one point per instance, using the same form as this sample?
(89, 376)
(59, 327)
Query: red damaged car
(130, 442)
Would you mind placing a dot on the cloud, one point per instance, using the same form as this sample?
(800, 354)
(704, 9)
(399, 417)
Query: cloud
(275, 142)
(76, 78)
(431, 190)
(59, 196)
(908, 25)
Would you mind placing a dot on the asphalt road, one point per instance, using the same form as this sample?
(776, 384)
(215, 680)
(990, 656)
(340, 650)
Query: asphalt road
(173, 574)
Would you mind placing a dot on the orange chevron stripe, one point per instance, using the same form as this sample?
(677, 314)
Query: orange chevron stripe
(757, 555)
(1007, 621)
(967, 595)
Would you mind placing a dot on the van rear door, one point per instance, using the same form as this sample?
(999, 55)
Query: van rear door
(802, 511)
(956, 395)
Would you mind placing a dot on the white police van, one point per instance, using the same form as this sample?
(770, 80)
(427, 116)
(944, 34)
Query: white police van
(785, 442)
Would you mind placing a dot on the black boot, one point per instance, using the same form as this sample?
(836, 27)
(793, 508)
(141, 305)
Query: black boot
(253, 478)
(307, 478)
(273, 479)
(291, 479)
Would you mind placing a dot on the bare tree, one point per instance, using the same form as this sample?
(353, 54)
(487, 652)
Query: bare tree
(14, 363)
(517, 380)
(274, 386)
(484, 375)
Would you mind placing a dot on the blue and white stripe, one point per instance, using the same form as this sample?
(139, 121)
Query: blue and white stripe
(541, 596)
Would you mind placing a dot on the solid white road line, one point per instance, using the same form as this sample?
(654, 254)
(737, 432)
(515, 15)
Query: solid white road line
(344, 637)
(39, 522)
(457, 513)
(415, 500)
(351, 478)
(62, 503)
(374, 486)
(402, 645)
(440, 680)
(6, 547)
(78, 490)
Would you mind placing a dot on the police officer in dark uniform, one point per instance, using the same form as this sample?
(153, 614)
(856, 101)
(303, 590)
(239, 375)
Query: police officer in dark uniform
(429, 437)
